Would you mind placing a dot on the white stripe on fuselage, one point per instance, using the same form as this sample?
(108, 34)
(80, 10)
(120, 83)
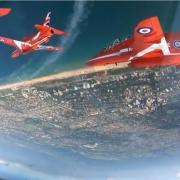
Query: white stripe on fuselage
(113, 54)
(40, 42)
(36, 36)
(19, 44)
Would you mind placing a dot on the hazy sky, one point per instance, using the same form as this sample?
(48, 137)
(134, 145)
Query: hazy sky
(24, 160)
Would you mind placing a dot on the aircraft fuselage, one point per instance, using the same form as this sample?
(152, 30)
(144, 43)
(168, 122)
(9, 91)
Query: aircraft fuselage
(34, 42)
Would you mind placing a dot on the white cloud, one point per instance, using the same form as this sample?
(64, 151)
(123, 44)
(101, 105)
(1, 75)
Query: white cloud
(3, 162)
(27, 171)
(178, 175)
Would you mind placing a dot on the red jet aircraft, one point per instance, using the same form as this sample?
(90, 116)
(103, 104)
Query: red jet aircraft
(34, 41)
(148, 46)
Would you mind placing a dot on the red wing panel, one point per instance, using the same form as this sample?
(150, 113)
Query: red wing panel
(41, 27)
(58, 32)
(146, 33)
(27, 38)
(7, 41)
(4, 11)
(18, 44)
(45, 28)
(156, 61)
(15, 54)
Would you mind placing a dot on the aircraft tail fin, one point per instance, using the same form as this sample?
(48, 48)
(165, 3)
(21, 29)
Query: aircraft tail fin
(47, 19)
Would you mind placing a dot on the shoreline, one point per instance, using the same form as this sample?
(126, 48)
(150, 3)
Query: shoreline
(64, 75)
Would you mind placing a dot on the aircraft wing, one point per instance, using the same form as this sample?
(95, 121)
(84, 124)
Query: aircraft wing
(14, 43)
(148, 36)
(50, 48)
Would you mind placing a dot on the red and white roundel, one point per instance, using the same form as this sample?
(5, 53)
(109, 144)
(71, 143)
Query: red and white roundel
(144, 30)
(177, 44)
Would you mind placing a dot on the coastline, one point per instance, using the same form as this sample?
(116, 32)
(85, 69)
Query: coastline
(64, 75)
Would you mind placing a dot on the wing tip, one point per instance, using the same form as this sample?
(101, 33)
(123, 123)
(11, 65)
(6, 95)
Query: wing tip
(4, 11)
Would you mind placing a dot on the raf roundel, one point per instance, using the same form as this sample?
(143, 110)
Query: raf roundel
(177, 43)
(144, 30)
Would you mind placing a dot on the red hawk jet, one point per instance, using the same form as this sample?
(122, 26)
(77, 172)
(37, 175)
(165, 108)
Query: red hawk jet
(4, 11)
(34, 41)
(148, 46)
